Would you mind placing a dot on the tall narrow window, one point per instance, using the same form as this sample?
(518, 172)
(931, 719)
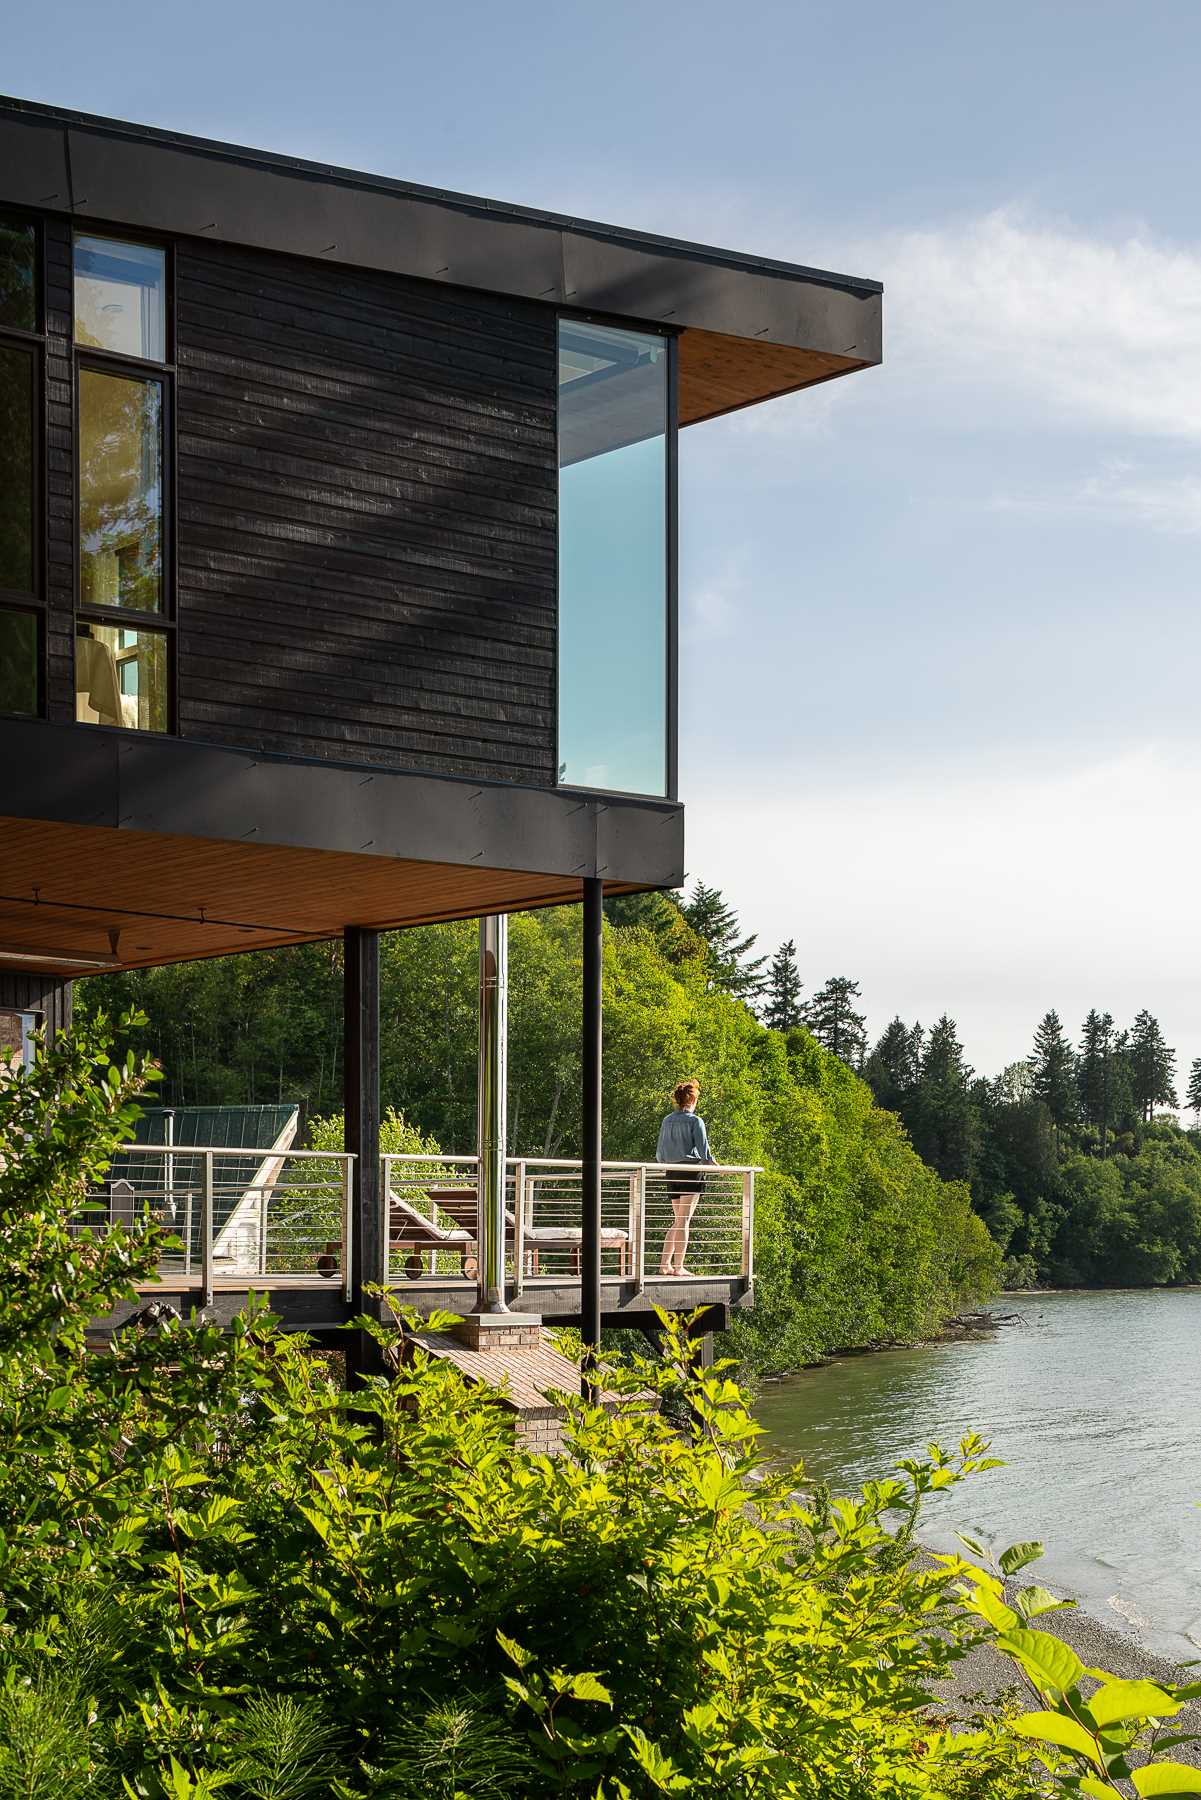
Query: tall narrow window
(120, 298)
(16, 468)
(18, 274)
(122, 660)
(120, 491)
(613, 558)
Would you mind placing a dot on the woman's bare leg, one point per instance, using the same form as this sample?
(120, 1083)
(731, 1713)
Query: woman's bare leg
(676, 1242)
(688, 1205)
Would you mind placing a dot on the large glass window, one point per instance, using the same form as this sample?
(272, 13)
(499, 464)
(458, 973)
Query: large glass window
(120, 676)
(16, 468)
(19, 662)
(120, 491)
(613, 558)
(18, 274)
(121, 297)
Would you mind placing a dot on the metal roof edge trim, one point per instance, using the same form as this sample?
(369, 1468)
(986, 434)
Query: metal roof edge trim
(280, 163)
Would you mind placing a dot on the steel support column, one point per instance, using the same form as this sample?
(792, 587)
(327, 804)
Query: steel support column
(492, 1090)
(590, 1197)
(368, 1247)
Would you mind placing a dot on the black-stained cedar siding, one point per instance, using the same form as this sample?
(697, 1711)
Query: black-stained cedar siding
(366, 517)
(47, 995)
(59, 472)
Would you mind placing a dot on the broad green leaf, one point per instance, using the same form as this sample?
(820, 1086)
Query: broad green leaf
(1034, 1600)
(999, 1616)
(588, 1687)
(1050, 1663)
(1166, 1778)
(1100, 1790)
(1058, 1728)
(1018, 1555)
(1130, 1700)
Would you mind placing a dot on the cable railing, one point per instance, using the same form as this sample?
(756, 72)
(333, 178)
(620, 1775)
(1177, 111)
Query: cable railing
(243, 1218)
(432, 1228)
(240, 1217)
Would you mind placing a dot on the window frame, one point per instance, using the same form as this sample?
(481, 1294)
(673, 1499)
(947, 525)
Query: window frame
(32, 601)
(112, 362)
(670, 336)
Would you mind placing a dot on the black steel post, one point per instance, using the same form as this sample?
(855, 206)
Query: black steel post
(368, 1241)
(590, 1220)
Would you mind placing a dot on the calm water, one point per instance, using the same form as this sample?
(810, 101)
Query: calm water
(1095, 1405)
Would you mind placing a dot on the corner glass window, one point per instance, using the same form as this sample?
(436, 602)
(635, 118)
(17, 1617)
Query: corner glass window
(120, 677)
(16, 469)
(121, 298)
(120, 491)
(613, 568)
(18, 274)
(19, 662)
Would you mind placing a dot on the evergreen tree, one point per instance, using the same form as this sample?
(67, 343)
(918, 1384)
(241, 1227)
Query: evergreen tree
(1094, 1073)
(731, 968)
(1054, 1070)
(942, 1116)
(782, 1010)
(1193, 1098)
(892, 1069)
(1152, 1067)
(832, 1019)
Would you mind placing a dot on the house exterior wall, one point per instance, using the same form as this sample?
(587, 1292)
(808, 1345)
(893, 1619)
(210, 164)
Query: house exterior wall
(46, 996)
(366, 517)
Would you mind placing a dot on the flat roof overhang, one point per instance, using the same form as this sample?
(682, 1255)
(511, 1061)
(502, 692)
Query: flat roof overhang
(120, 852)
(750, 328)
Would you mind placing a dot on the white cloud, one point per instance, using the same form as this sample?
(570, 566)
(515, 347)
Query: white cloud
(1079, 329)
(710, 608)
(992, 895)
(1122, 490)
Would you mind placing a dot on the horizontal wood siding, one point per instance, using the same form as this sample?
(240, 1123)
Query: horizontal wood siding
(366, 517)
(47, 995)
(60, 473)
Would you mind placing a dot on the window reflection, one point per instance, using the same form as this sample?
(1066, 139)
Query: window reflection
(612, 558)
(18, 663)
(16, 469)
(121, 297)
(120, 491)
(18, 274)
(120, 677)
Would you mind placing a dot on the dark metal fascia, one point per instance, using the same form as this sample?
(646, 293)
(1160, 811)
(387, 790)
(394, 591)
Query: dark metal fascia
(472, 204)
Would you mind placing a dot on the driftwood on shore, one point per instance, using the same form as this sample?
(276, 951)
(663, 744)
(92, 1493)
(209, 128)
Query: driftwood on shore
(980, 1321)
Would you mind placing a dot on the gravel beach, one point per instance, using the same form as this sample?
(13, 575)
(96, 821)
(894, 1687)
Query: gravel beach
(987, 1678)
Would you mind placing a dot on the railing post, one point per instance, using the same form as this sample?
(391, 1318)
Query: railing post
(492, 1106)
(590, 1097)
(748, 1224)
(206, 1232)
(638, 1230)
(187, 1236)
(518, 1227)
(361, 1054)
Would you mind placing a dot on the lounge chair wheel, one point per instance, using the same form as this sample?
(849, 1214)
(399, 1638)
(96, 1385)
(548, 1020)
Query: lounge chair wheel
(327, 1262)
(413, 1266)
(469, 1266)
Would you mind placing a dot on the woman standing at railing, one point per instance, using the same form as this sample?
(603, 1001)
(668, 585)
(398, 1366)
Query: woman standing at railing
(682, 1139)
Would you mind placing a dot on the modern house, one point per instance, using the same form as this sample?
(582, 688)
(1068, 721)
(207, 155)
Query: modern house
(337, 594)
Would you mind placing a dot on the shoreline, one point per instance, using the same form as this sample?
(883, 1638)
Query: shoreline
(988, 1680)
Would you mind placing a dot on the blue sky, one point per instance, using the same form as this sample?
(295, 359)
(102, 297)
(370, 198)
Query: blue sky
(942, 631)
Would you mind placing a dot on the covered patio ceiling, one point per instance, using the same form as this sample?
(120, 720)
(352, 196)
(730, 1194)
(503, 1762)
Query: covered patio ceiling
(78, 899)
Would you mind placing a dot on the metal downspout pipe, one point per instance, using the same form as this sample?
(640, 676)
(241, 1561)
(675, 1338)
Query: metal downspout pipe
(492, 1110)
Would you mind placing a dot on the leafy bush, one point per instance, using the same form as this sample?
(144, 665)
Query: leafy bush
(221, 1574)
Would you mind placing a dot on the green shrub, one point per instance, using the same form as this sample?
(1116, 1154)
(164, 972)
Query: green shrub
(221, 1574)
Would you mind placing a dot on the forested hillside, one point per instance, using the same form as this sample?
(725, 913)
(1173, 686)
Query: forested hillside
(857, 1240)
(1082, 1176)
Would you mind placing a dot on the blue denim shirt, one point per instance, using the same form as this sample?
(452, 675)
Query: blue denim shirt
(683, 1138)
